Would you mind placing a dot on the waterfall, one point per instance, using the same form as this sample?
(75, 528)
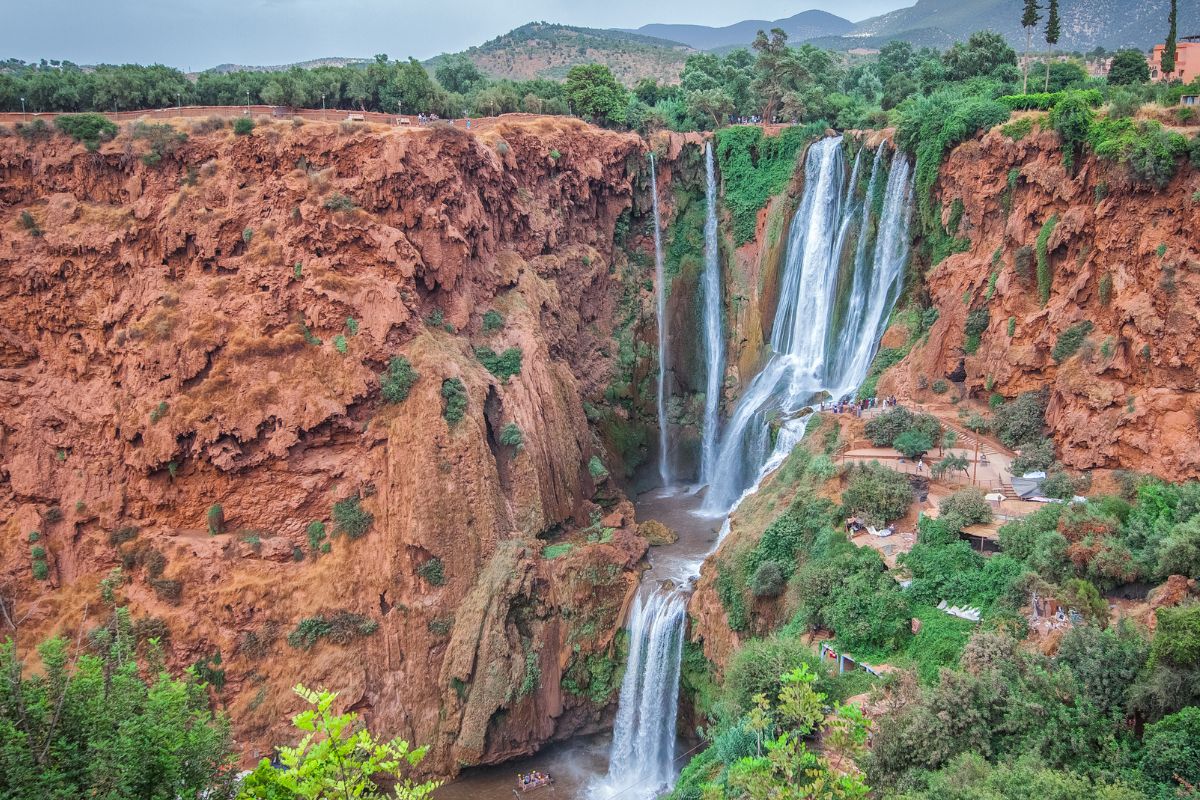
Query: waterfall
(660, 310)
(714, 339)
(642, 764)
(811, 352)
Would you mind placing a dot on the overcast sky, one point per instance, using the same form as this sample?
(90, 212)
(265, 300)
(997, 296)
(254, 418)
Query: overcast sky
(198, 34)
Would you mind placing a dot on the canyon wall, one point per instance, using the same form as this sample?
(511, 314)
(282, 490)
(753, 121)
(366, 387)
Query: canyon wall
(1120, 269)
(195, 333)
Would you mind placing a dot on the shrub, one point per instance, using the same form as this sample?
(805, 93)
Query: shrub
(242, 126)
(352, 326)
(162, 139)
(159, 411)
(968, 506)
(455, 396)
(555, 550)
(940, 386)
(167, 589)
(1072, 118)
(492, 321)
(877, 493)
(767, 581)
(1105, 288)
(1036, 455)
(40, 570)
(1059, 486)
(91, 129)
(1044, 276)
(350, 518)
(398, 380)
(913, 443)
(339, 344)
(555, 155)
(339, 202)
(1018, 129)
(1021, 420)
(215, 519)
(341, 628)
(1069, 341)
(597, 469)
(433, 571)
(510, 435)
(30, 224)
(316, 534)
(504, 365)
(977, 323)
(33, 131)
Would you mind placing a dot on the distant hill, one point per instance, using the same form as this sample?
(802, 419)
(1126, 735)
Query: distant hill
(547, 50)
(802, 26)
(310, 64)
(1086, 23)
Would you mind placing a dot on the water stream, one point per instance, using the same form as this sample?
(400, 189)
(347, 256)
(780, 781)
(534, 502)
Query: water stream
(660, 311)
(714, 338)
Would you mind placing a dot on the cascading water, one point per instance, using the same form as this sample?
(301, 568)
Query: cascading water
(642, 764)
(714, 340)
(811, 351)
(660, 310)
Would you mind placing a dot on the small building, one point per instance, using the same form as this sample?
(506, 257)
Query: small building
(1190, 100)
(1187, 61)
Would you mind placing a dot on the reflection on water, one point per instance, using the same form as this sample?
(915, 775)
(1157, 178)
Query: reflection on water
(579, 763)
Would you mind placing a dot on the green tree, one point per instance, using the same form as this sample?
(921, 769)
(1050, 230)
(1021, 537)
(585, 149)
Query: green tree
(337, 759)
(90, 726)
(1029, 20)
(1053, 32)
(913, 443)
(1171, 753)
(1128, 68)
(595, 94)
(459, 74)
(1168, 56)
(984, 55)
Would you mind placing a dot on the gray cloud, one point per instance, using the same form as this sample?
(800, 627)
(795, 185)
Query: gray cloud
(197, 34)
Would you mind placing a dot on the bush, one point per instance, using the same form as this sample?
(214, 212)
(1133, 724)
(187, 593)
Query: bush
(1059, 486)
(767, 581)
(1072, 118)
(504, 365)
(242, 126)
(215, 519)
(91, 129)
(433, 571)
(877, 493)
(968, 506)
(455, 396)
(492, 321)
(940, 386)
(553, 551)
(162, 139)
(1036, 455)
(1021, 420)
(40, 569)
(597, 469)
(339, 202)
(913, 443)
(398, 380)
(1171, 752)
(316, 534)
(977, 323)
(350, 518)
(510, 435)
(340, 628)
(1045, 277)
(1070, 340)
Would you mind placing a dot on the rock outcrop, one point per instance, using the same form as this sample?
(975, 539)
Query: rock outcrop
(1122, 266)
(191, 356)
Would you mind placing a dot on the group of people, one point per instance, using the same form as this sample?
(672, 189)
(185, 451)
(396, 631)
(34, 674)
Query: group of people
(532, 780)
(856, 407)
(425, 119)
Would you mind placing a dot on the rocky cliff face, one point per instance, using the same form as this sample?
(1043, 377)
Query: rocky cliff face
(1119, 272)
(196, 345)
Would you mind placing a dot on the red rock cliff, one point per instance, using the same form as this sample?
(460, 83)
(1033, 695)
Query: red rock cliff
(1123, 257)
(209, 332)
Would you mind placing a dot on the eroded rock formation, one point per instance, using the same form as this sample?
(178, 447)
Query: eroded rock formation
(196, 345)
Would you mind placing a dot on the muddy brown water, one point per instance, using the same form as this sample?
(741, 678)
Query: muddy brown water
(577, 763)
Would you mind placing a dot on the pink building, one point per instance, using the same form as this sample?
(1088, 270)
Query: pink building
(1187, 61)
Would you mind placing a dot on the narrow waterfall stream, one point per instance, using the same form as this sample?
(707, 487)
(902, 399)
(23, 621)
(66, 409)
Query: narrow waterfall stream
(660, 311)
(714, 335)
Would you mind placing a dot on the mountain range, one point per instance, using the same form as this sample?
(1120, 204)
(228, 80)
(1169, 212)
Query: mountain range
(800, 27)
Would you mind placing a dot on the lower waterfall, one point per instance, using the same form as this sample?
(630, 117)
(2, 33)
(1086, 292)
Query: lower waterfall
(642, 764)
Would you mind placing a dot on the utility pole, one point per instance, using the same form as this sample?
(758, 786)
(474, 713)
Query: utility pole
(23, 116)
(975, 466)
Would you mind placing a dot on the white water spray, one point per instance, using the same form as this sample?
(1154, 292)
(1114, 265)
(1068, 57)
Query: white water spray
(714, 339)
(642, 764)
(811, 351)
(660, 310)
